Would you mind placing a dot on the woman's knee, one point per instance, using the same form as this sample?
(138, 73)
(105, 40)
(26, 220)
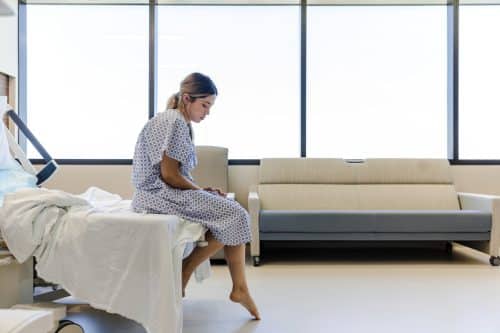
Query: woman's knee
(241, 213)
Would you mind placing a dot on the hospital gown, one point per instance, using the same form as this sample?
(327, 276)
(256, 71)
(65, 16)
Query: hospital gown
(169, 133)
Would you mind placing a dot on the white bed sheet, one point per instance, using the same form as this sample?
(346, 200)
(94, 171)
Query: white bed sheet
(103, 254)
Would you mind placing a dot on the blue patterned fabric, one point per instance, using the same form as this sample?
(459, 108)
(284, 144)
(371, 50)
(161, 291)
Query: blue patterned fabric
(169, 133)
(15, 179)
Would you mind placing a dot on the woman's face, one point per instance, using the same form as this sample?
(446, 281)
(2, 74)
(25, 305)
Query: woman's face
(199, 108)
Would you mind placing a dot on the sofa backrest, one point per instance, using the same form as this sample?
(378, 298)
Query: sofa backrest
(386, 184)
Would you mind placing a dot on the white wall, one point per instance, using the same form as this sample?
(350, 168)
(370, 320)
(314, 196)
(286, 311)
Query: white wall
(477, 178)
(116, 179)
(8, 41)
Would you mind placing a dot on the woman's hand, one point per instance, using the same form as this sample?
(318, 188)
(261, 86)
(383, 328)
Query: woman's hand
(215, 191)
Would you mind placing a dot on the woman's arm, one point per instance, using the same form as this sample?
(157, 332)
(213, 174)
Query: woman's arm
(171, 175)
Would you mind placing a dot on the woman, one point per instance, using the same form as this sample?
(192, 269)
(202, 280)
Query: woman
(164, 156)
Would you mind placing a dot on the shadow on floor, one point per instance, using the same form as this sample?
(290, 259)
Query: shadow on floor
(98, 321)
(278, 253)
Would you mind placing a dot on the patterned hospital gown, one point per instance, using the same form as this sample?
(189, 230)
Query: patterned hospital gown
(169, 133)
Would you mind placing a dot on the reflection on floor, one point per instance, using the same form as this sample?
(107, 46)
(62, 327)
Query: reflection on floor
(340, 290)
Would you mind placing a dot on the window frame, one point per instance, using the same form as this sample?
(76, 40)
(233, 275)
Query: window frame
(452, 78)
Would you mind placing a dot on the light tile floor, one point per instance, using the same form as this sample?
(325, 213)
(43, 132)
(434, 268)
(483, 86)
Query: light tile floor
(343, 290)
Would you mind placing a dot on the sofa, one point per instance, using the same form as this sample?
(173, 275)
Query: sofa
(328, 199)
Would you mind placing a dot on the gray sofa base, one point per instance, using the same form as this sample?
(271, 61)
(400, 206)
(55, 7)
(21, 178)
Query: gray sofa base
(374, 221)
(370, 236)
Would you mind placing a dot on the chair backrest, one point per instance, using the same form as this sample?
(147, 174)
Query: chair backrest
(212, 169)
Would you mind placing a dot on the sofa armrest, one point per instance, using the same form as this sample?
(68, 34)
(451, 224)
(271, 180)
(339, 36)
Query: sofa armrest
(487, 203)
(254, 209)
(476, 201)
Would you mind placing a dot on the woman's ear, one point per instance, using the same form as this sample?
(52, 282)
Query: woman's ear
(185, 98)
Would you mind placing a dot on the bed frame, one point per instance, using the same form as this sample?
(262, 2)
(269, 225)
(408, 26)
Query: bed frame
(48, 170)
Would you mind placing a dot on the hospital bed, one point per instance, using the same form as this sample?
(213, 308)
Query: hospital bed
(100, 251)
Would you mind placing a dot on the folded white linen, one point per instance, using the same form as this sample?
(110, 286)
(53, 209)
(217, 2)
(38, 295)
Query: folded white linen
(28, 218)
(101, 253)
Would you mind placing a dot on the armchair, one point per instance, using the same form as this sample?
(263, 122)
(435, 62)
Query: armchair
(212, 171)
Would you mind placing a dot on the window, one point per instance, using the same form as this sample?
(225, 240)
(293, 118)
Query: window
(376, 77)
(479, 70)
(87, 68)
(376, 81)
(253, 55)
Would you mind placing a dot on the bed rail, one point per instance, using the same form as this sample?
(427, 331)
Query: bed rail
(50, 166)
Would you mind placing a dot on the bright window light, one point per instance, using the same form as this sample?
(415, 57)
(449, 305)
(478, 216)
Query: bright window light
(87, 79)
(376, 81)
(253, 55)
(479, 102)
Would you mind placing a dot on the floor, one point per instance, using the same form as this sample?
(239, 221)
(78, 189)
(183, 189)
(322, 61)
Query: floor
(341, 290)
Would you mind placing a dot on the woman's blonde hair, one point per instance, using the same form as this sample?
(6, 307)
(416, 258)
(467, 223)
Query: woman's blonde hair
(196, 85)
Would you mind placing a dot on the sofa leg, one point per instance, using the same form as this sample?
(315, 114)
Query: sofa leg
(495, 261)
(256, 261)
(449, 247)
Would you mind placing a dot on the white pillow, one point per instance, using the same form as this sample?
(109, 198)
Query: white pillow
(7, 162)
(12, 175)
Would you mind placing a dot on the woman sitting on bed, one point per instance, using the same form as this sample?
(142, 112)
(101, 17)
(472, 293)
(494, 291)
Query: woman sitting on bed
(164, 156)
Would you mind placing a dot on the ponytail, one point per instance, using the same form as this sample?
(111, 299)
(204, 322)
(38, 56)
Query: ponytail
(173, 101)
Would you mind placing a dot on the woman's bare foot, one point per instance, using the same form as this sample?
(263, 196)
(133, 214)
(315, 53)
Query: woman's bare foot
(244, 298)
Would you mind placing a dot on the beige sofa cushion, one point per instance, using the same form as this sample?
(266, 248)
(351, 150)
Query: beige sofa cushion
(338, 171)
(306, 171)
(404, 171)
(407, 197)
(308, 196)
(375, 184)
(357, 197)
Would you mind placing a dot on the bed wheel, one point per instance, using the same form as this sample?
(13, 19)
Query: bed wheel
(256, 261)
(67, 326)
(495, 261)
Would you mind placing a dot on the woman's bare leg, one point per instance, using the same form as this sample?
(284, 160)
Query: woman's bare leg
(235, 257)
(199, 255)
